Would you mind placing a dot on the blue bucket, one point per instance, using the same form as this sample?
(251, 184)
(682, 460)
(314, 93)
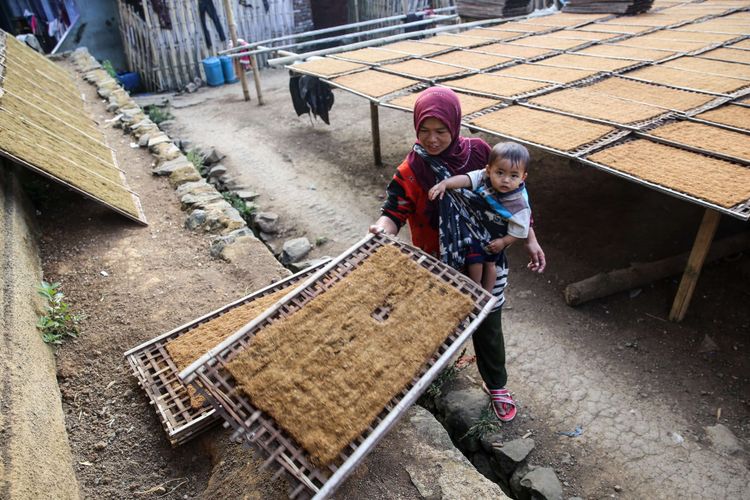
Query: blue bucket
(129, 81)
(214, 75)
(227, 66)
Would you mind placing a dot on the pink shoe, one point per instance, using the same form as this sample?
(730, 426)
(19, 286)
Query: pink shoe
(502, 404)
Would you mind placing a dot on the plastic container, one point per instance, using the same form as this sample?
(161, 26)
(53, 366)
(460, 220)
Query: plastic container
(214, 74)
(129, 81)
(227, 67)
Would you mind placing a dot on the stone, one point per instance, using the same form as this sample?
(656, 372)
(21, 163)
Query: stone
(196, 219)
(240, 248)
(100, 445)
(512, 454)
(157, 139)
(542, 483)
(482, 463)
(201, 200)
(186, 145)
(488, 440)
(217, 171)
(166, 151)
(300, 266)
(722, 439)
(708, 345)
(198, 82)
(462, 408)
(196, 187)
(218, 243)
(191, 87)
(143, 140)
(267, 222)
(266, 237)
(519, 491)
(186, 173)
(211, 156)
(246, 195)
(295, 250)
(166, 125)
(167, 167)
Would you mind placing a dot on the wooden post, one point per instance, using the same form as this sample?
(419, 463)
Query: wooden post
(256, 78)
(152, 44)
(233, 36)
(375, 125)
(698, 254)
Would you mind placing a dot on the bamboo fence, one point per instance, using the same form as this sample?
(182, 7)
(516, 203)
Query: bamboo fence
(169, 59)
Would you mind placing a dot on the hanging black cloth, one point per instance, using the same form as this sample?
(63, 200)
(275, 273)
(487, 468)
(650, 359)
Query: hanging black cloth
(310, 95)
(162, 12)
(207, 7)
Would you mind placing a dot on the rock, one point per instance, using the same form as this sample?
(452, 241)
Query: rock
(512, 454)
(617, 488)
(295, 250)
(246, 195)
(266, 237)
(515, 482)
(198, 82)
(218, 243)
(196, 187)
(167, 167)
(157, 139)
(166, 125)
(722, 439)
(566, 459)
(186, 145)
(166, 151)
(542, 483)
(191, 87)
(181, 175)
(240, 249)
(143, 140)
(211, 156)
(299, 266)
(708, 345)
(99, 446)
(201, 200)
(196, 219)
(488, 440)
(217, 171)
(482, 463)
(267, 222)
(461, 409)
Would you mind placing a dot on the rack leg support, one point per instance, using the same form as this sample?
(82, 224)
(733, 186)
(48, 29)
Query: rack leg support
(702, 244)
(375, 125)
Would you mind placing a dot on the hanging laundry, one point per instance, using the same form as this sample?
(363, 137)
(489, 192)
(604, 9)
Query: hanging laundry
(162, 12)
(311, 95)
(206, 7)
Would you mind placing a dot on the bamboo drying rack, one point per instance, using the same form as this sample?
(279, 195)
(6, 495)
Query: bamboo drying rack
(156, 372)
(254, 427)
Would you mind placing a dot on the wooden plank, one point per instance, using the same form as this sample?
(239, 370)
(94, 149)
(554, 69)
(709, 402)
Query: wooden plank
(698, 254)
(233, 36)
(375, 126)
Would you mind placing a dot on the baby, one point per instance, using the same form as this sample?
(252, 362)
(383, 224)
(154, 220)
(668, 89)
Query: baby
(501, 184)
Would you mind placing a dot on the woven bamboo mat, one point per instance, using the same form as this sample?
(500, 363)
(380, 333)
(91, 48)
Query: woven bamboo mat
(471, 59)
(514, 51)
(744, 44)
(713, 27)
(420, 68)
(414, 48)
(728, 55)
(516, 27)
(564, 19)
(579, 34)
(722, 68)
(689, 79)
(495, 85)
(592, 104)
(615, 28)
(716, 181)
(657, 95)
(370, 55)
(490, 34)
(630, 53)
(327, 67)
(652, 19)
(541, 73)
(540, 127)
(706, 137)
(734, 116)
(456, 40)
(690, 36)
(661, 44)
(578, 61)
(373, 83)
(469, 103)
(548, 42)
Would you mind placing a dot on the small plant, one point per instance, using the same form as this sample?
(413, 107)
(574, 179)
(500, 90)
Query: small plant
(107, 66)
(246, 211)
(321, 240)
(158, 114)
(196, 159)
(58, 322)
(486, 424)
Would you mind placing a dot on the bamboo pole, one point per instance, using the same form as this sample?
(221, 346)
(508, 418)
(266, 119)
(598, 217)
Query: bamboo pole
(180, 26)
(697, 257)
(171, 40)
(128, 55)
(154, 50)
(233, 35)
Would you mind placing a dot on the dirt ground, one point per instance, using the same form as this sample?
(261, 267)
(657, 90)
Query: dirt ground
(615, 366)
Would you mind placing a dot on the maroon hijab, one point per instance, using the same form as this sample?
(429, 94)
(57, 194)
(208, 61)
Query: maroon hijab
(463, 154)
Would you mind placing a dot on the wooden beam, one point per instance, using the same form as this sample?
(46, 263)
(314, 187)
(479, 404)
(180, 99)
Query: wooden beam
(256, 77)
(375, 125)
(233, 35)
(698, 254)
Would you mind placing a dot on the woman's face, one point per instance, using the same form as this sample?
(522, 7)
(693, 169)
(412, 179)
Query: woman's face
(434, 136)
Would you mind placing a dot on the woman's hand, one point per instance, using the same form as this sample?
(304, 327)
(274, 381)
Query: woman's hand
(496, 246)
(384, 225)
(438, 190)
(537, 262)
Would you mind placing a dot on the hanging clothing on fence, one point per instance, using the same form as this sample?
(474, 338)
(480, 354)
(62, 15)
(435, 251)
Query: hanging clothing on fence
(309, 94)
(162, 12)
(207, 7)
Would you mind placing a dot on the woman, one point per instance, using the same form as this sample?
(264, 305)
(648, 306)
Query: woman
(437, 121)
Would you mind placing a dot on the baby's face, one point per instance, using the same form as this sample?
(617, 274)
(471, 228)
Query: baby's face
(505, 177)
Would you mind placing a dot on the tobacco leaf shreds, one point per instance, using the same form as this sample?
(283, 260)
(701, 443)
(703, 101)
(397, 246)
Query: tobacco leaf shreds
(325, 372)
(657, 95)
(689, 79)
(706, 137)
(589, 103)
(546, 73)
(622, 52)
(374, 83)
(328, 66)
(496, 85)
(586, 62)
(423, 69)
(727, 185)
(723, 68)
(734, 116)
(469, 103)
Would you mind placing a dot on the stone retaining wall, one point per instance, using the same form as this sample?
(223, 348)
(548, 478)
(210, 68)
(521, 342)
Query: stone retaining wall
(36, 458)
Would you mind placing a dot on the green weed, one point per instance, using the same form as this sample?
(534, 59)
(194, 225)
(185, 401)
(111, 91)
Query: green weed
(158, 114)
(486, 424)
(246, 211)
(58, 322)
(196, 159)
(107, 66)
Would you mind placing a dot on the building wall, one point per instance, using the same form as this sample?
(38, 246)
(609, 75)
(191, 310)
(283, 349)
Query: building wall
(98, 30)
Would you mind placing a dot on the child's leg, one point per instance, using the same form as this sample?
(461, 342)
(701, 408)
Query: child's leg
(475, 272)
(489, 276)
